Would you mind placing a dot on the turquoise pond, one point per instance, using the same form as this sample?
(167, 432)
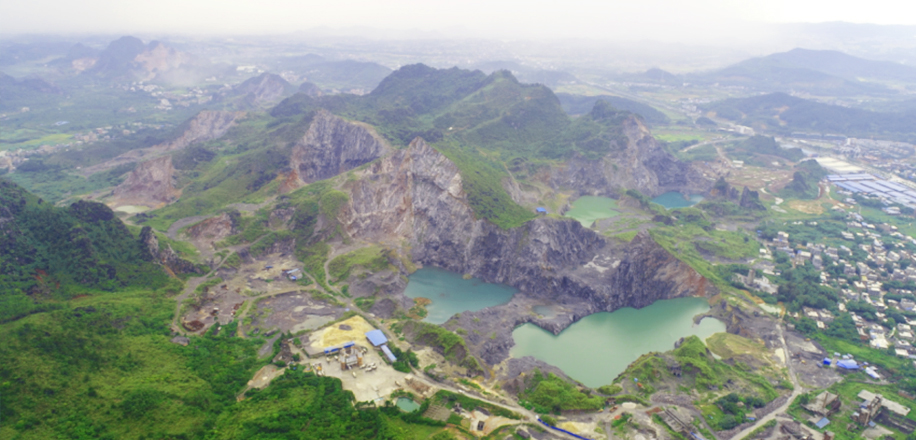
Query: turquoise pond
(597, 348)
(587, 209)
(674, 199)
(450, 293)
(407, 405)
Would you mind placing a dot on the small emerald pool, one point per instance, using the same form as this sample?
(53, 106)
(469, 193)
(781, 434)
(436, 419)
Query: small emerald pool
(587, 209)
(406, 404)
(450, 293)
(597, 348)
(674, 200)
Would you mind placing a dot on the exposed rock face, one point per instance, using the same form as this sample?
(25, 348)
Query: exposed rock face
(310, 89)
(149, 184)
(206, 126)
(160, 58)
(642, 165)
(332, 146)
(750, 200)
(264, 89)
(215, 228)
(746, 199)
(165, 256)
(416, 194)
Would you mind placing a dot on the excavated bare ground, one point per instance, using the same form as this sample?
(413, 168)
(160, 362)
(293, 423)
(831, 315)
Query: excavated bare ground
(292, 311)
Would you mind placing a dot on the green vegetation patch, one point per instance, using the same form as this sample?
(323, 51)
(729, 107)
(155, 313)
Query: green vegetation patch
(372, 259)
(444, 341)
(53, 253)
(482, 180)
(552, 394)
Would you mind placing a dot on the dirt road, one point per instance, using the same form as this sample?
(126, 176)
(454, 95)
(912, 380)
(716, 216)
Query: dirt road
(795, 393)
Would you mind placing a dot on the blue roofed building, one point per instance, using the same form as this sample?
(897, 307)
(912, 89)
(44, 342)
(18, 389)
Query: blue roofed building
(822, 423)
(376, 338)
(541, 210)
(848, 364)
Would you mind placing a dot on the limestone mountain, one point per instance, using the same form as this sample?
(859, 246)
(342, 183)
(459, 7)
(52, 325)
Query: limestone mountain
(496, 130)
(263, 90)
(205, 126)
(129, 59)
(149, 184)
(332, 146)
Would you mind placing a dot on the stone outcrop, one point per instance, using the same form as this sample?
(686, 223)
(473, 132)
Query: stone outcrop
(215, 228)
(332, 146)
(149, 184)
(746, 199)
(641, 164)
(205, 126)
(263, 90)
(159, 58)
(166, 256)
(417, 194)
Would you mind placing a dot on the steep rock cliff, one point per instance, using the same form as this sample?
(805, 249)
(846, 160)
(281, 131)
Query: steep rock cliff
(264, 89)
(332, 146)
(416, 194)
(641, 164)
(149, 184)
(215, 228)
(165, 256)
(205, 126)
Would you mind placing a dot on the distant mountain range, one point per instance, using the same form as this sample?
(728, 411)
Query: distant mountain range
(782, 113)
(819, 72)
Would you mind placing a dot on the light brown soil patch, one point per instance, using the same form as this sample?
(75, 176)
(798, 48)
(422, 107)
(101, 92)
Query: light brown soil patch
(334, 336)
(807, 206)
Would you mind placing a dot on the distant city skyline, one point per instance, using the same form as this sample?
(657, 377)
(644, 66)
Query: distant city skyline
(698, 21)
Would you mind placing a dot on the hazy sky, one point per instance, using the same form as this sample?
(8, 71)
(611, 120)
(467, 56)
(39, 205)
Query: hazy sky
(665, 20)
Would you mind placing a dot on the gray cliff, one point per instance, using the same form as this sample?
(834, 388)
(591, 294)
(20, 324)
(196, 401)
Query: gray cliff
(416, 194)
(642, 165)
(332, 146)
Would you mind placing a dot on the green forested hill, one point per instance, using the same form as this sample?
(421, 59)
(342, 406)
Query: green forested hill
(492, 112)
(50, 253)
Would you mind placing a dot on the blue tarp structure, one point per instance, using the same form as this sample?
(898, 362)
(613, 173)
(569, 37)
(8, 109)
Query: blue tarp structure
(540, 210)
(848, 364)
(826, 361)
(349, 344)
(388, 353)
(822, 423)
(376, 338)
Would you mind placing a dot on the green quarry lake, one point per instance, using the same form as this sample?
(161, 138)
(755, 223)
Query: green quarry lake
(674, 199)
(597, 348)
(450, 293)
(587, 209)
(407, 405)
